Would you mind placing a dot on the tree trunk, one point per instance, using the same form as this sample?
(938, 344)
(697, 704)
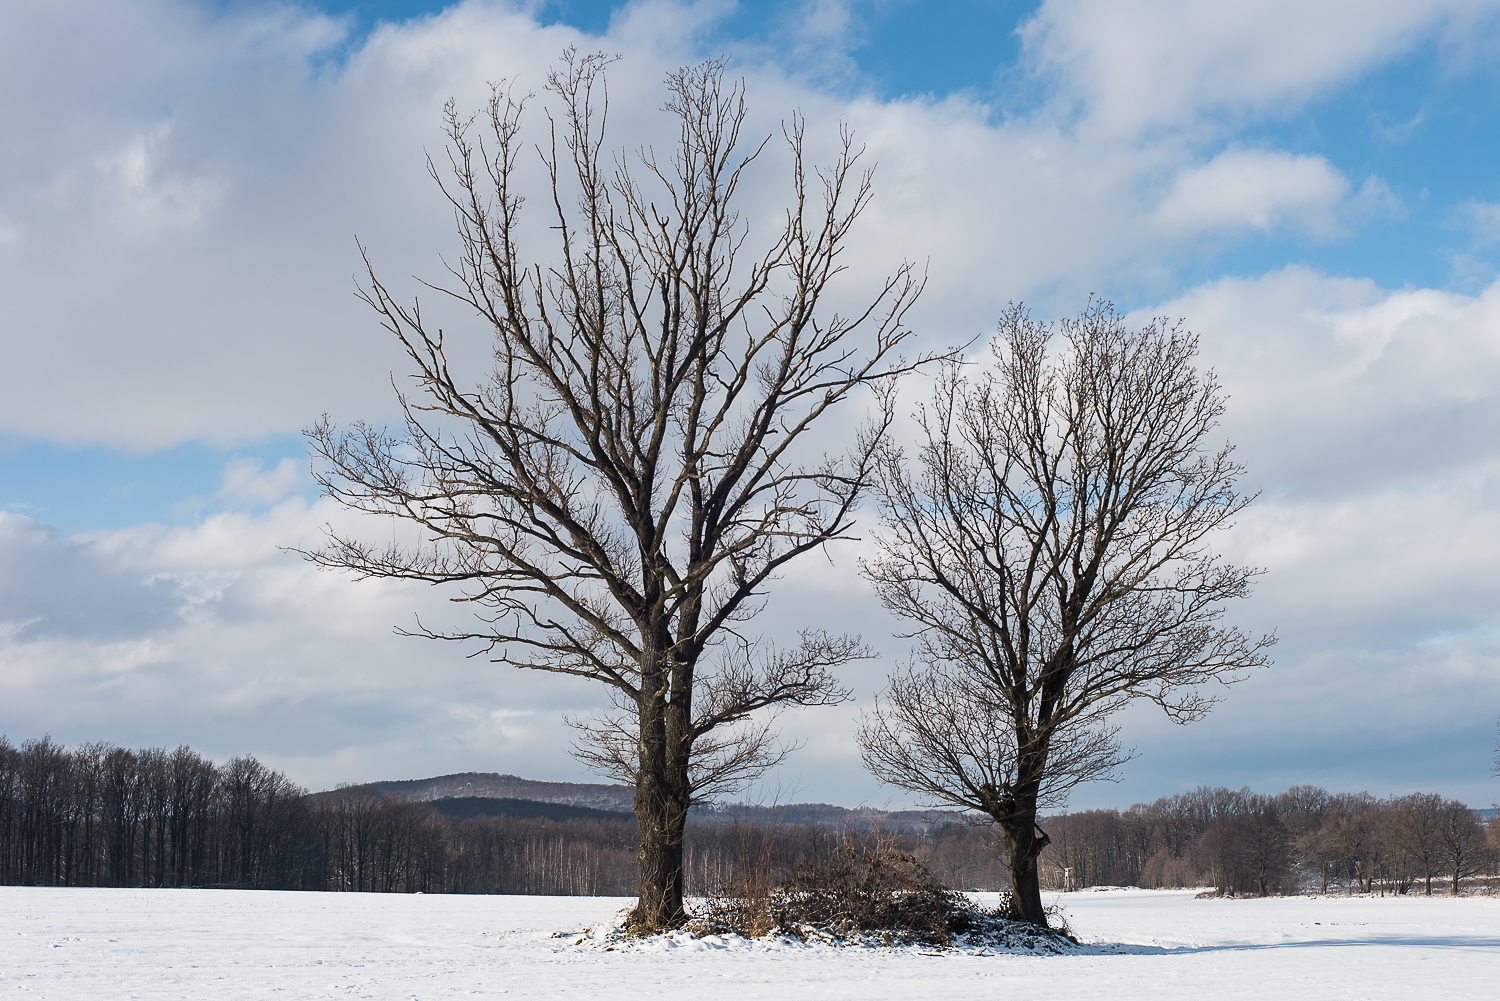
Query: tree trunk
(660, 906)
(662, 794)
(1024, 842)
(1023, 846)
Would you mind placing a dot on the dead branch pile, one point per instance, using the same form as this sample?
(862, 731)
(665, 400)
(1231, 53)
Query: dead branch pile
(865, 892)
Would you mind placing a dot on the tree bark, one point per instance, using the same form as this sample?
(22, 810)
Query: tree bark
(663, 794)
(1023, 846)
(1023, 839)
(662, 818)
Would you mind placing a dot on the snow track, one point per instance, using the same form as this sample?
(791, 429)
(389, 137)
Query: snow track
(101, 945)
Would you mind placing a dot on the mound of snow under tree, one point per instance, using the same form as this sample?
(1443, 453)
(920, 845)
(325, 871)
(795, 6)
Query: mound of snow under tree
(100, 943)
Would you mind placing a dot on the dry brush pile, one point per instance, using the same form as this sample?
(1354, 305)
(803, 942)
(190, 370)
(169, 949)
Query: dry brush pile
(863, 891)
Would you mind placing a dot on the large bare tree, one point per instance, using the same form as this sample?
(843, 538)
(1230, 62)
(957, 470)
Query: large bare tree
(1050, 547)
(1414, 827)
(615, 497)
(1462, 842)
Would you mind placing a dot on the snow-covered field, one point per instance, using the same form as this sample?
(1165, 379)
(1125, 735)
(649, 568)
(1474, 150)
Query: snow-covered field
(103, 945)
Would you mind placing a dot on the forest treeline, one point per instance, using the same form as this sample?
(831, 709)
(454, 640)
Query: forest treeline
(1248, 843)
(99, 815)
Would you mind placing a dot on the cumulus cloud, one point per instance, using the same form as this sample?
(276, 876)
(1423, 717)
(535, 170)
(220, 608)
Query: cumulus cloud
(1366, 415)
(216, 636)
(1483, 219)
(215, 165)
(1258, 190)
(176, 241)
(1401, 380)
(247, 483)
(1138, 65)
(1363, 412)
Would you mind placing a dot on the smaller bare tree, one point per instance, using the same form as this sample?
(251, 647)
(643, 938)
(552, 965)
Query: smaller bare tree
(1414, 829)
(1265, 845)
(1050, 547)
(1463, 845)
(1345, 843)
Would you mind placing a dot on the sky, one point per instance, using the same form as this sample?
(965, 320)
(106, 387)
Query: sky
(1312, 187)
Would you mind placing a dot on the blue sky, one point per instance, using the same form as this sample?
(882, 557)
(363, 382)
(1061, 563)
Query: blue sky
(1312, 186)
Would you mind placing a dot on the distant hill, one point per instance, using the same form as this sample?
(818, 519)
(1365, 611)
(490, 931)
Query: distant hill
(470, 807)
(472, 794)
(493, 785)
(862, 818)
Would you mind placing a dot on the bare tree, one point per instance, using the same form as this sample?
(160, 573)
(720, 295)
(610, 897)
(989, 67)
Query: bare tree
(1050, 547)
(1463, 845)
(616, 496)
(1265, 845)
(1415, 829)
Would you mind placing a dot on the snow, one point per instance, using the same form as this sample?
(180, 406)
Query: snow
(102, 945)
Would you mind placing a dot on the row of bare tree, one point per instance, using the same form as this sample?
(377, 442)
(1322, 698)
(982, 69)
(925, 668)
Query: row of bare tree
(1247, 843)
(384, 843)
(98, 815)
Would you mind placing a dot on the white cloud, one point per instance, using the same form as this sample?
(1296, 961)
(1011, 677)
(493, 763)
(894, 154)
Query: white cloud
(245, 482)
(1483, 218)
(1376, 200)
(217, 305)
(213, 635)
(1366, 413)
(1340, 387)
(137, 186)
(1391, 570)
(1401, 132)
(1259, 190)
(240, 165)
(1138, 65)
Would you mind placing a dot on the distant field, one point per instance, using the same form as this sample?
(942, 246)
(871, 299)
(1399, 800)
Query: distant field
(209, 944)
